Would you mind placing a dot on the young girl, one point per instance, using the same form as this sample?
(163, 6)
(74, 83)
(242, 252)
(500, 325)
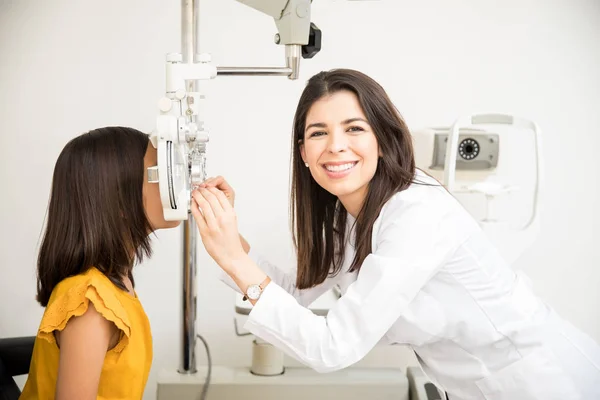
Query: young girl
(94, 339)
(413, 265)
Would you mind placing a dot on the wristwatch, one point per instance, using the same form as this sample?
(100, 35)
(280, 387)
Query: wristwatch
(254, 291)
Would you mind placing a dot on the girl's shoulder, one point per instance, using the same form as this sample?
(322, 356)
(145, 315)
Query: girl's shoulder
(72, 296)
(92, 276)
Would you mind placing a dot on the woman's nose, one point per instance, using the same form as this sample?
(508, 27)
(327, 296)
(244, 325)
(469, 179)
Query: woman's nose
(337, 142)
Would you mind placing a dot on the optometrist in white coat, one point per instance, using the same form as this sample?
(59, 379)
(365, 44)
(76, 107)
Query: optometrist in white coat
(426, 276)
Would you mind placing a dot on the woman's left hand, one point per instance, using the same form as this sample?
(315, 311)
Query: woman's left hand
(217, 223)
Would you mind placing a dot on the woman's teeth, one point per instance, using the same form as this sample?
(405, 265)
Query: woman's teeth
(338, 168)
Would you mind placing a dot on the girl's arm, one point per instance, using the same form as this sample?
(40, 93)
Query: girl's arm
(83, 345)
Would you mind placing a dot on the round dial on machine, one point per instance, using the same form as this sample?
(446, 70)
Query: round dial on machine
(468, 149)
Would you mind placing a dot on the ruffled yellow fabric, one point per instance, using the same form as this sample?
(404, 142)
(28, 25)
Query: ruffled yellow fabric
(126, 367)
(71, 299)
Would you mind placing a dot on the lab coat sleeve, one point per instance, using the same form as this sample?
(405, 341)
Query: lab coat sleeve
(285, 280)
(410, 248)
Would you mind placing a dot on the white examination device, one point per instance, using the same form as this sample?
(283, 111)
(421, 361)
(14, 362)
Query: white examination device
(180, 137)
(471, 158)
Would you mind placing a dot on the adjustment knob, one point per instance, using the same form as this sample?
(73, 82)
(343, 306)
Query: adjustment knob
(314, 42)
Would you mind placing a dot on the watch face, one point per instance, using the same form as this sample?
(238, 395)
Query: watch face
(253, 292)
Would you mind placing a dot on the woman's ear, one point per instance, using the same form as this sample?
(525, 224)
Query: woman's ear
(302, 152)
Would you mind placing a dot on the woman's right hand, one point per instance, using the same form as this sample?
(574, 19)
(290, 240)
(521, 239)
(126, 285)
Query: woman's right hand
(220, 183)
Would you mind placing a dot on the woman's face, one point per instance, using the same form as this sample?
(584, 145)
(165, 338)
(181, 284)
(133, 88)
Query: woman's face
(340, 148)
(151, 193)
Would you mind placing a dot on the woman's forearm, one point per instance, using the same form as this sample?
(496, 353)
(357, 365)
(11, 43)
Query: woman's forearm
(244, 273)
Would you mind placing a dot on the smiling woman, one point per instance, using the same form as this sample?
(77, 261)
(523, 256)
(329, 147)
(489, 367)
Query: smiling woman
(358, 150)
(340, 148)
(412, 264)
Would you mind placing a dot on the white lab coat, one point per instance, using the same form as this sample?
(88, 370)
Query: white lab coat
(434, 282)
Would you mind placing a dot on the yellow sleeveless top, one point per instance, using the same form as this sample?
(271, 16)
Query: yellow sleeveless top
(126, 366)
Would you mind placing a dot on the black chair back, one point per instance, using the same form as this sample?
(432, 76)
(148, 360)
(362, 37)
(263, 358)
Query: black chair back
(15, 357)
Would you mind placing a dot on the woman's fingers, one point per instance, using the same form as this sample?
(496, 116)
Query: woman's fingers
(217, 224)
(213, 203)
(207, 182)
(206, 207)
(222, 198)
(215, 182)
(220, 183)
(210, 195)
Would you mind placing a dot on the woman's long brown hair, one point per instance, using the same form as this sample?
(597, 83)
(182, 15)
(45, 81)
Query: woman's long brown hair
(317, 217)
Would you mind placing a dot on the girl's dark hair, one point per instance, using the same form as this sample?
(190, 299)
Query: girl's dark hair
(96, 216)
(318, 219)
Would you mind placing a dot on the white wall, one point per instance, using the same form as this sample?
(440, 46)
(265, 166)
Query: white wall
(67, 67)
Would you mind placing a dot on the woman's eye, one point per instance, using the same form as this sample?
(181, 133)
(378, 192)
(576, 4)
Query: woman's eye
(316, 133)
(355, 129)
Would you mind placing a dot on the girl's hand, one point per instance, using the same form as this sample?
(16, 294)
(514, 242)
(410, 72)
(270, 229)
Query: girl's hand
(217, 224)
(220, 183)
